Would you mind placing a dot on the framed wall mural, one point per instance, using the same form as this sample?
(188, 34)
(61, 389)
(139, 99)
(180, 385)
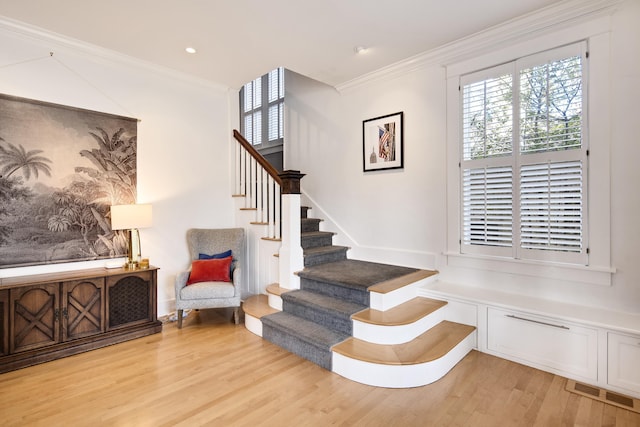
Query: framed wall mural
(382, 145)
(61, 168)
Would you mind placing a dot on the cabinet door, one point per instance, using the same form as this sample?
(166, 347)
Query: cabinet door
(82, 308)
(34, 317)
(624, 362)
(4, 322)
(543, 342)
(130, 299)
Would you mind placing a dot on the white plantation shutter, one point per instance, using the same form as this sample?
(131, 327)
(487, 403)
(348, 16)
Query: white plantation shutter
(263, 110)
(551, 206)
(276, 104)
(487, 117)
(538, 212)
(487, 206)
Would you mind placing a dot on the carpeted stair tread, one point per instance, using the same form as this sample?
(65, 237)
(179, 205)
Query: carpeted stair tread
(311, 239)
(304, 329)
(302, 337)
(431, 345)
(403, 314)
(309, 224)
(355, 273)
(324, 303)
(323, 250)
(324, 254)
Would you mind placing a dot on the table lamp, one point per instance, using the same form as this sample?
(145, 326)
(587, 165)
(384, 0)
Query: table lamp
(131, 218)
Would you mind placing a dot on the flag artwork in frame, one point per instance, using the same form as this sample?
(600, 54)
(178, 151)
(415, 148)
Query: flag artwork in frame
(382, 145)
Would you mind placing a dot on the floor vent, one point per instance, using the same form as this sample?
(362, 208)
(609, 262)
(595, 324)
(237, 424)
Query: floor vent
(605, 396)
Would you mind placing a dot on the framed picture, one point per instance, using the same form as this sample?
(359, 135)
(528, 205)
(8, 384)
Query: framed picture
(382, 143)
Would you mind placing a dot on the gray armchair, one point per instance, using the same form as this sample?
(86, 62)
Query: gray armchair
(212, 294)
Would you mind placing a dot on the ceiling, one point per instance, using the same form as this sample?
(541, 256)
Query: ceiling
(238, 40)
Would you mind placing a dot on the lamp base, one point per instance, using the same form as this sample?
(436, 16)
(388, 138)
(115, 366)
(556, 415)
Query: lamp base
(131, 265)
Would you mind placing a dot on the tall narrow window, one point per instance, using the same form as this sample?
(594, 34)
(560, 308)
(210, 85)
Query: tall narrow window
(524, 158)
(262, 111)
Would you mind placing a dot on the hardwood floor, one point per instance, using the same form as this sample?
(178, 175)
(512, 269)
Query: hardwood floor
(215, 373)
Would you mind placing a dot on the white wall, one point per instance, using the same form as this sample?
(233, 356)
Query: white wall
(400, 216)
(183, 135)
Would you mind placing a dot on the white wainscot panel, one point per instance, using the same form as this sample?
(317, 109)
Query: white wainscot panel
(624, 362)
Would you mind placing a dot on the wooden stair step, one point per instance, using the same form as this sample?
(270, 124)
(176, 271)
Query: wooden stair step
(258, 306)
(402, 281)
(403, 314)
(431, 345)
(275, 289)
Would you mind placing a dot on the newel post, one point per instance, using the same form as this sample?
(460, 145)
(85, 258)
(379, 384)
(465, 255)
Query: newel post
(291, 257)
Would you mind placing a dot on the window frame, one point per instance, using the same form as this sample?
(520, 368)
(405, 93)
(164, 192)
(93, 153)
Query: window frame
(474, 268)
(262, 111)
(515, 160)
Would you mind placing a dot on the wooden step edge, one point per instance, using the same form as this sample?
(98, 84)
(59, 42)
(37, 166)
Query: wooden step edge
(430, 346)
(258, 306)
(400, 282)
(275, 289)
(258, 223)
(272, 239)
(238, 195)
(403, 314)
(248, 209)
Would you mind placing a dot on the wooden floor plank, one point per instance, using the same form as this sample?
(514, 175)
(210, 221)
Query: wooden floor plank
(212, 372)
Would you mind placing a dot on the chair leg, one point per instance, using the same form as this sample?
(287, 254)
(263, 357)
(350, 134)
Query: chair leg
(179, 314)
(236, 315)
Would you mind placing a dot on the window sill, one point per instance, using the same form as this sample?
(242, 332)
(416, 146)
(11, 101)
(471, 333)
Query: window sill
(567, 272)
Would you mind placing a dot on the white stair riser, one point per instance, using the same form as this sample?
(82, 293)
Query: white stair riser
(380, 334)
(401, 376)
(275, 301)
(253, 324)
(383, 302)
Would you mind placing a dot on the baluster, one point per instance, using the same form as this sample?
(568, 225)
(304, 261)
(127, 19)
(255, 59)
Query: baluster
(277, 213)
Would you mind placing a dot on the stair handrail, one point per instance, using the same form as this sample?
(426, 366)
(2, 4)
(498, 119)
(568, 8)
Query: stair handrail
(268, 167)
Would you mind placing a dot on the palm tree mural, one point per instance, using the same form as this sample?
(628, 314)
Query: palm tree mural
(14, 158)
(58, 210)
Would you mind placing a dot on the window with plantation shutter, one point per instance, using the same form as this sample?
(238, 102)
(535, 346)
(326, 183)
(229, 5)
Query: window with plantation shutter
(524, 158)
(262, 109)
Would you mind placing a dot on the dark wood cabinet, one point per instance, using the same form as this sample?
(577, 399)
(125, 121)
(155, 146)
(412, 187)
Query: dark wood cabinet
(48, 316)
(4, 322)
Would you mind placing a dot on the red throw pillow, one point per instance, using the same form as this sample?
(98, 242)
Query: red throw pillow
(210, 270)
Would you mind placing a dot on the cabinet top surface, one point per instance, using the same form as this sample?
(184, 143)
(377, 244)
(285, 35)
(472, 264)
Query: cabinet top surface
(34, 279)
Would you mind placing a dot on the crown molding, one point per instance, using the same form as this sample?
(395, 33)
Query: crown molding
(94, 52)
(570, 12)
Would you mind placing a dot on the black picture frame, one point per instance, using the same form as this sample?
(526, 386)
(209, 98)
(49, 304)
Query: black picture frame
(383, 142)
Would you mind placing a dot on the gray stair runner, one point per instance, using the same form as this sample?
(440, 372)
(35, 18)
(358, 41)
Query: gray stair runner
(332, 288)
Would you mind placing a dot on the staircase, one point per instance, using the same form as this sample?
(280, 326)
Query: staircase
(360, 319)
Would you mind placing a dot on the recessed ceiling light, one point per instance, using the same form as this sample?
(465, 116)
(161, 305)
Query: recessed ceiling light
(191, 50)
(360, 49)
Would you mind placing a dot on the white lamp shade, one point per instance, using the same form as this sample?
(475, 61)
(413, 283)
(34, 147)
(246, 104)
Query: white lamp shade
(126, 217)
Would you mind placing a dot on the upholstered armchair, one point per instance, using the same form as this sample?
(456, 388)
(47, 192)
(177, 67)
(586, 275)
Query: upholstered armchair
(203, 285)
